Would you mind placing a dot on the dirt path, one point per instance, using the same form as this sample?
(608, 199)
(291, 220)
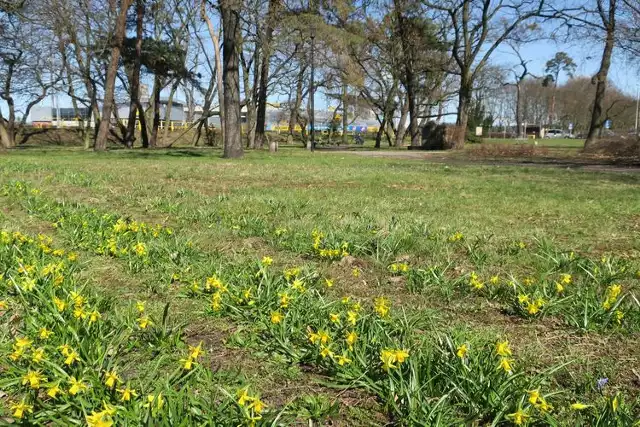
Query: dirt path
(571, 163)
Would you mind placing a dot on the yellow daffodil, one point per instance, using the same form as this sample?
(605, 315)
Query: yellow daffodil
(140, 306)
(79, 313)
(355, 272)
(343, 360)
(71, 357)
(401, 355)
(140, 249)
(328, 283)
(60, 304)
(267, 261)
(94, 316)
(351, 338)
(4, 305)
(127, 394)
(284, 300)
(33, 378)
(144, 322)
(54, 390)
(99, 419)
(503, 349)
(276, 317)
(334, 317)
(326, 352)
(543, 406)
(534, 396)
(65, 349)
(45, 333)
(388, 359)
(111, 379)
(352, 317)
(505, 364)
(243, 397)
(158, 400)
(615, 404)
(257, 405)
(38, 355)
(19, 409)
(559, 288)
(462, 351)
(519, 417)
(187, 364)
(195, 351)
(565, 279)
(324, 337)
(77, 386)
(494, 280)
(381, 306)
(22, 343)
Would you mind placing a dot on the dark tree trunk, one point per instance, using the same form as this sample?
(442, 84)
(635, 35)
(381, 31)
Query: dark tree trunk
(134, 83)
(381, 131)
(293, 118)
(231, 78)
(601, 78)
(110, 83)
(264, 75)
(155, 98)
(464, 102)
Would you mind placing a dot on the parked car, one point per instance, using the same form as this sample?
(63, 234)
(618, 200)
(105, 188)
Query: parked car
(554, 133)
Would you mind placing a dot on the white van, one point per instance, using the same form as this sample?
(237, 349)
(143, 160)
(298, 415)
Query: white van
(554, 133)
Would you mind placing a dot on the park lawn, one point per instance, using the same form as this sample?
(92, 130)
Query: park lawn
(455, 230)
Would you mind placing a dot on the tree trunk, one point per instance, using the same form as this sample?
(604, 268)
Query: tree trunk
(218, 58)
(345, 120)
(229, 10)
(7, 139)
(264, 74)
(112, 70)
(381, 131)
(402, 124)
(135, 78)
(155, 97)
(464, 101)
(601, 78)
(293, 116)
(168, 111)
(519, 110)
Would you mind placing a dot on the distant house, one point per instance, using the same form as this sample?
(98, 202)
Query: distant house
(43, 116)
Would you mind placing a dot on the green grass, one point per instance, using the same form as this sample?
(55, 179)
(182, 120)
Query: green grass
(515, 223)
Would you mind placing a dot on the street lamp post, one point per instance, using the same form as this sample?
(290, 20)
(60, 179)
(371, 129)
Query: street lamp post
(312, 120)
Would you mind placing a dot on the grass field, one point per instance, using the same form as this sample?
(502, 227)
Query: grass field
(544, 142)
(322, 287)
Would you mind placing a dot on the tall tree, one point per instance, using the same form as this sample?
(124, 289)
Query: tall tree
(606, 22)
(476, 29)
(230, 13)
(135, 106)
(112, 70)
(559, 63)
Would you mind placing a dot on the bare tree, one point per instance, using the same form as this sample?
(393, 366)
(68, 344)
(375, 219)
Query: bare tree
(112, 70)
(30, 68)
(476, 30)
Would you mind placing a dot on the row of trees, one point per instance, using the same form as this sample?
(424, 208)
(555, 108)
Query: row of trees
(404, 59)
